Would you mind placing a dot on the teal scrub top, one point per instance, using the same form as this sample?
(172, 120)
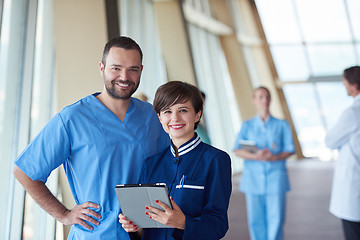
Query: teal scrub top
(98, 151)
(203, 134)
(261, 177)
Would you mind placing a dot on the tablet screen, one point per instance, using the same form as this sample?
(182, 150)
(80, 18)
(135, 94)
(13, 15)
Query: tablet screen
(134, 197)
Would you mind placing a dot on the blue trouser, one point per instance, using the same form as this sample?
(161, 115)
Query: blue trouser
(266, 216)
(351, 229)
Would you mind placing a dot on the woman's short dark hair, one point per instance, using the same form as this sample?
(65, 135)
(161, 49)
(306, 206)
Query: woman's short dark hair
(352, 75)
(175, 92)
(121, 42)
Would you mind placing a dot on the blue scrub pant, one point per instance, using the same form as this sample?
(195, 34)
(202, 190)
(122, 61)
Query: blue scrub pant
(266, 216)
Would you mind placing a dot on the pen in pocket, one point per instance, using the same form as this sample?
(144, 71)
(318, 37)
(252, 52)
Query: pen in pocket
(182, 181)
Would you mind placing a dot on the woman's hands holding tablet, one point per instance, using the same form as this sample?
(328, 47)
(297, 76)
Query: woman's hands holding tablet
(129, 226)
(172, 217)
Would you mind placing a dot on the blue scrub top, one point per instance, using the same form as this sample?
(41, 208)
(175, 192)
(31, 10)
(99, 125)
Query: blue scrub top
(261, 177)
(98, 151)
(199, 180)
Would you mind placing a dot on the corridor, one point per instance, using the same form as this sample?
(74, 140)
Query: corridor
(307, 215)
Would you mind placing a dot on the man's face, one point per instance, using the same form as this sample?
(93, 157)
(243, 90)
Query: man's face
(122, 72)
(351, 89)
(261, 100)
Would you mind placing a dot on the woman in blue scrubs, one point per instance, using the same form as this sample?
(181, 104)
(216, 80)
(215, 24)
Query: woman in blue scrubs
(265, 179)
(197, 175)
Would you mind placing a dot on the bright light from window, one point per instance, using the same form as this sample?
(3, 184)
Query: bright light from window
(323, 20)
(279, 21)
(353, 8)
(331, 59)
(291, 62)
(312, 40)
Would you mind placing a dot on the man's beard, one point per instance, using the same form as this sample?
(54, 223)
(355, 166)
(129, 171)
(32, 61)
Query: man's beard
(110, 88)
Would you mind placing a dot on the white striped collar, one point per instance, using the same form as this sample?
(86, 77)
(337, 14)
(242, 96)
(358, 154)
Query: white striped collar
(187, 147)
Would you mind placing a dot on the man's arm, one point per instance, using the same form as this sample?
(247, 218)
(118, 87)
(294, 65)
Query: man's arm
(46, 200)
(343, 129)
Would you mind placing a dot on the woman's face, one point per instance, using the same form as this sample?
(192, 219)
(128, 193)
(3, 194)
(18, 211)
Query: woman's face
(179, 120)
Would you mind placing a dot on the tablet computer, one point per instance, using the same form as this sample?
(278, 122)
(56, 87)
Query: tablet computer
(134, 197)
(249, 145)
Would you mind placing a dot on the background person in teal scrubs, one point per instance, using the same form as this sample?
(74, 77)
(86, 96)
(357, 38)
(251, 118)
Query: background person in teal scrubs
(201, 129)
(102, 140)
(197, 175)
(265, 179)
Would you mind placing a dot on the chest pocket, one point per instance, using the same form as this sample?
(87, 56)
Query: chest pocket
(190, 196)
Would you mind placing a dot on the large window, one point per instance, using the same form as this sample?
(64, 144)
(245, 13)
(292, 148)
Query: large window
(212, 74)
(11, 64)
(26, 77)
(137, 21)
(311, 43)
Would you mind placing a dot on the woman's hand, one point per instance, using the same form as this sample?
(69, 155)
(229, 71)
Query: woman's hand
(265, 155)
(171, 217)
(127, 225)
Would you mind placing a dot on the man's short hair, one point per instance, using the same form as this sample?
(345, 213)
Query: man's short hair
(263, 88)
(121, 42)
(352, 75)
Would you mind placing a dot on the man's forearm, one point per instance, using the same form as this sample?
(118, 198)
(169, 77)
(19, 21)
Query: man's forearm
(41, 195)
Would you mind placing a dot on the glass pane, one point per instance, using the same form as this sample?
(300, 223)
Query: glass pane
(278, 20)
(311, 132)
(323, 20)
(290, 62)
(358, 53)
(334, 100)
(217, 97)
(331, 59)
(137, 21)
(354, 8)
(37, 223)
(11, 57)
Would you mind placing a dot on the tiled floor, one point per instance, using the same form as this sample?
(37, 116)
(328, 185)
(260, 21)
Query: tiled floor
(307, 215)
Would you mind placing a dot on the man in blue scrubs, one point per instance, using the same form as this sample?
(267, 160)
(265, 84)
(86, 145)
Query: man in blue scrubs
(101, 140)
(265, 180)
